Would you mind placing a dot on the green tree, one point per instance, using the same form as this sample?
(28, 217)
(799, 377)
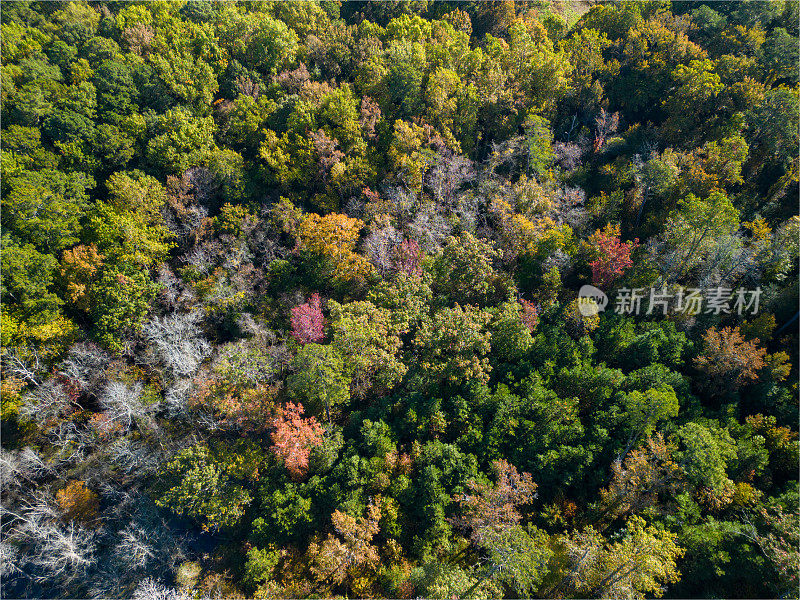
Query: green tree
(779, 56)
(319, 379)
(27, 283)
(704, 454)
(693, 104)
(694, 230)
(639, 563)
(464, 272)
(405, 297)
(364, 337)
(120, 304)
(646, 409)
(129, 228)
(44, 208)
(511, 337)
(199, 484)
(453, 344)
(179, 140)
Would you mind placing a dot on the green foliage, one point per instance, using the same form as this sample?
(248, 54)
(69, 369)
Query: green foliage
(363, 335)
(319, 380)
(198, 483)
(705, 453)
(120, 304)
(453, 344)
(129, 228)
(260, 564)
(179, 140)
(28, 281)
(511, 337)
(286, 514)
(463, 271)
(44, 208)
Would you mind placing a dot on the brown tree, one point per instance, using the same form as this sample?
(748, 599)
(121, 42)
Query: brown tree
(729, 361)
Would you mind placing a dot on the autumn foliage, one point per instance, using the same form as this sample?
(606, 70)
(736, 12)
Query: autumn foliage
(407, 258)
(529, 315)
(614, 256)
(333, 238)
(78, 502)
(293, 299)
(307, 320)
(350, 552)
(293, 438)
(729, 360)
(493, 507)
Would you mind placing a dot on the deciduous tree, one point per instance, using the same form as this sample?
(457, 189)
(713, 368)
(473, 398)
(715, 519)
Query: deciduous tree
(308, 322)
(293, 438)
(729, 361)
(453, 345)
(614, 256)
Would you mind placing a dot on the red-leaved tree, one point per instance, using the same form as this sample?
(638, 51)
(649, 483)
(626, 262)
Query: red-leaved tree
(308, 323)
(294, 437)
(614, 255)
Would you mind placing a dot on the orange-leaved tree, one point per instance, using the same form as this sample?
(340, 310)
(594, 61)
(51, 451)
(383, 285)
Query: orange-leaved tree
(294, 437)
(333, 238)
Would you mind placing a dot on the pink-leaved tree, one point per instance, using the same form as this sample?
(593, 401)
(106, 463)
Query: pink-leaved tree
(308, 323)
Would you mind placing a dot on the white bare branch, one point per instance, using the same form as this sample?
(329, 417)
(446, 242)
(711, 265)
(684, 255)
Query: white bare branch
(177, 341)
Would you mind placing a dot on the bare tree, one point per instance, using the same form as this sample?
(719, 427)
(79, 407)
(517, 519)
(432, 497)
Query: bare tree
(247, 87)
(9, 558)
(149, 589)
(71, 443)
(199, 258)
(177, 395)
(204, 185)
(429, 229)
(85, 365)
(133, 455)
(47, 404)
(32, 463)
(123, 404)
(380, 246)
(134, 547)
(569, 155)
(403, 201)
(138, 38)
(448, 175)
(176, 340)
(55, 551)
(250, 362)
(19, 468)
(67, 552)
(606, 124)
(569, 206)
(26, 365)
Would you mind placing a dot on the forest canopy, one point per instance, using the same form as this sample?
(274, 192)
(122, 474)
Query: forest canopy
(399, 299)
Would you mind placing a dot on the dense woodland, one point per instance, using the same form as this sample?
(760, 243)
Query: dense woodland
(290, 299)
